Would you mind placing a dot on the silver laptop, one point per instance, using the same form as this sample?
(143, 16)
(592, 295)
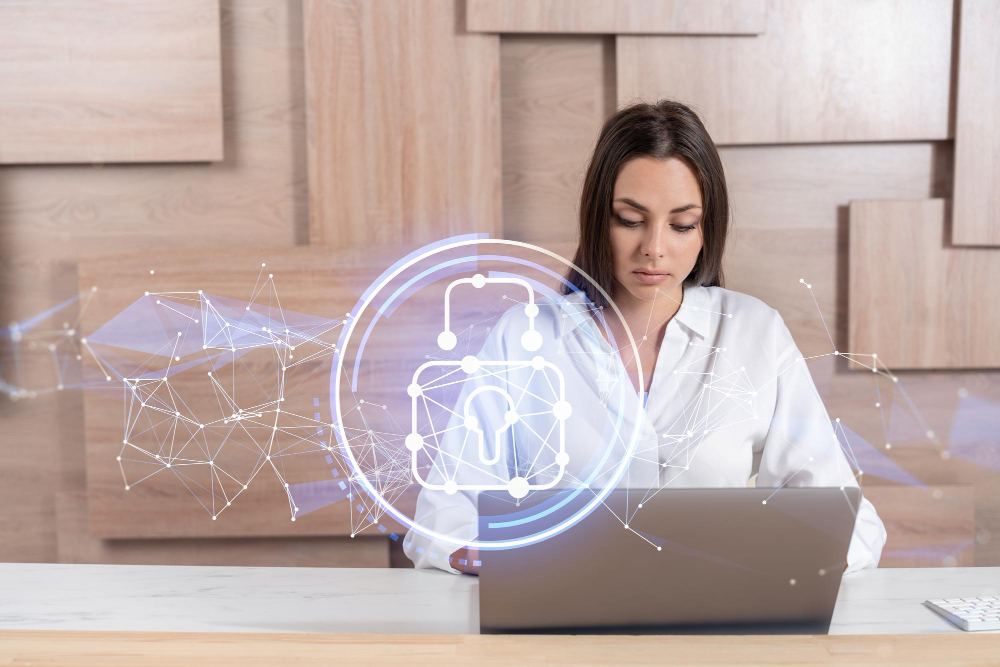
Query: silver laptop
(700, 560)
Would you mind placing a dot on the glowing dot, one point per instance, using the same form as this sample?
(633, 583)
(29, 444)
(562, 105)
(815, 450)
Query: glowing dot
(244, 487)
(177, 358)
(537, 363)
(269, 458)
(878, 404)
(729, 315)
(478, 280)
(626, 526)
(118, 458)
(822, 573)
(763, 502)
(888, 445)
(446, 340)
(147, 293)
(293, 518)
(562, 458)
(450, 487)
(414, 441)
(127, 487)
(152, 272)
(802, 280)
(645, 337)
(270, 275)
(213, 517)
(471, 423)
(640, 506)
(930, 434)
(531, 340)
(518, 487)
(791, 581)
(531, 310)
(561, 410)
(470, 364)
(108, 378)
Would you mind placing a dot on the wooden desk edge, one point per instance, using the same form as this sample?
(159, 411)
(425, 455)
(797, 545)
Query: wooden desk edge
(124, 648)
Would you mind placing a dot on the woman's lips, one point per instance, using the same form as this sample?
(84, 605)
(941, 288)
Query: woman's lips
(650, 278)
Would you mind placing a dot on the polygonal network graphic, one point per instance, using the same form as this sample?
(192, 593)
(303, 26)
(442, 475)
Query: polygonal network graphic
(210, 394)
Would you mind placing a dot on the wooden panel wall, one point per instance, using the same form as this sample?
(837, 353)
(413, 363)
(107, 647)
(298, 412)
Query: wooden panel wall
(712, 17)
(822, 71)
(900, 274)
(113, 81)
(976, 211)
(52, 216)
(418, 129)
(415, 156)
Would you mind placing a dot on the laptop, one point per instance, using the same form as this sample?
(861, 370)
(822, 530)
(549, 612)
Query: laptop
(692, 561)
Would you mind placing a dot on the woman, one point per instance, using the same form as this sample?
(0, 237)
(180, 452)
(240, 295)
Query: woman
(654, 215)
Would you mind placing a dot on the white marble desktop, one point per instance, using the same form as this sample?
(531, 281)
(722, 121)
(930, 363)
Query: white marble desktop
(272, 599)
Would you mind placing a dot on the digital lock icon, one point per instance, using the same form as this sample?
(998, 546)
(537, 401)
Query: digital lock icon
(486, 442)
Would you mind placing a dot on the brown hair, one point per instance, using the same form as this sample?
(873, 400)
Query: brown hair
(660, 130)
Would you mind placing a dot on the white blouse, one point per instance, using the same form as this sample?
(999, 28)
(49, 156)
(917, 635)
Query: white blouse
(730, 396)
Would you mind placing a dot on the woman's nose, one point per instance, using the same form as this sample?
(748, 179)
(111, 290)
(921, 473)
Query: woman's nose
(652, 244)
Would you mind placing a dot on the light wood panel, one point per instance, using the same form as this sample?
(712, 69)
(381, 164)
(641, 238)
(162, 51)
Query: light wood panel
(415, 155)
(714, 17)
(77, 546)
(976, 212)
(107, 649)
(555, 94)
(914, 301)
(316, 282)
(110, 81)
(54, 214)
(927, 527)
(823, 71)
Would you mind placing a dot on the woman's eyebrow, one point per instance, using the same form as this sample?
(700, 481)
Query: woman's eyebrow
(636, 205)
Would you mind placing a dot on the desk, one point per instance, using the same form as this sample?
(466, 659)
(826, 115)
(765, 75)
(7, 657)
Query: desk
(104, 613)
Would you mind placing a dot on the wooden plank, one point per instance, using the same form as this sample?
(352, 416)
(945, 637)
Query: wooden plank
(798, 82)
(306, 280)
(108, 649)
(415, 155)
(667, 17)
(53, 214)
(926, 526)
(976, 212)
(551, 118)
(909, 293)
(110, 81)
(77, 546)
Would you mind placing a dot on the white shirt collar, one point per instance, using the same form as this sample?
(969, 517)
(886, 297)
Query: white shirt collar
(694, 312)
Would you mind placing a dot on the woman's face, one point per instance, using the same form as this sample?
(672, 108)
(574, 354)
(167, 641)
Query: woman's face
(656, 230)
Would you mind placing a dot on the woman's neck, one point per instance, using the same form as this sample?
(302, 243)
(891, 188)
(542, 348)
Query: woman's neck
(647, 318)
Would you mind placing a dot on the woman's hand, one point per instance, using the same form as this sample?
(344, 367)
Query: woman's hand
(466, 556)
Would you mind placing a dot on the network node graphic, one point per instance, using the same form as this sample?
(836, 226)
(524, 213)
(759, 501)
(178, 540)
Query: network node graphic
(482, 348)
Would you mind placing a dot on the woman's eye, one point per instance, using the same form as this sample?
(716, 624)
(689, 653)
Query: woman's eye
(628, 223)
(684, 228)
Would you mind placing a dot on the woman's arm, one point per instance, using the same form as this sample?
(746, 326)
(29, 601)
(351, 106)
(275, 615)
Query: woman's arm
(802, 449)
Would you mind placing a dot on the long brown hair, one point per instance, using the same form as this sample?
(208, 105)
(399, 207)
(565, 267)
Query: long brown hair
(661, 130)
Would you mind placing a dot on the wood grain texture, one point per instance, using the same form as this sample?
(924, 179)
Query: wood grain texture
(927, 527)
(109, 81)
(314, 281)
(76, 545)
(415, 155)
(915, 301)
(555, 94)
(54, 214)
(162, 648)
(823, 71)
(715, 17)
(976, 209)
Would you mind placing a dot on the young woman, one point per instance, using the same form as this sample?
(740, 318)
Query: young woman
(654, 215)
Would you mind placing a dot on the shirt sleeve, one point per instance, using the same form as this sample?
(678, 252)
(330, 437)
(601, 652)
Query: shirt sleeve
(457, 515)
(802, 449)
